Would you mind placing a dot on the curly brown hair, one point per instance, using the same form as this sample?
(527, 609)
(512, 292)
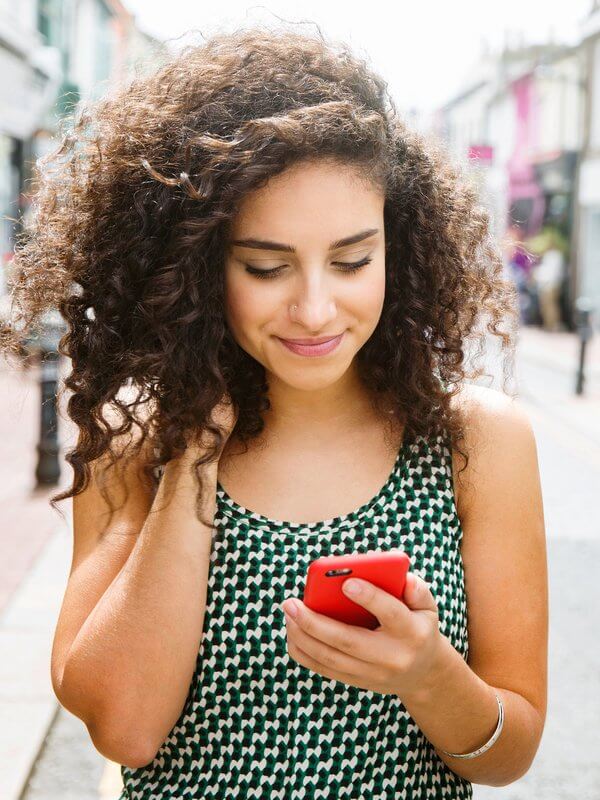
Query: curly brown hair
(129, 234)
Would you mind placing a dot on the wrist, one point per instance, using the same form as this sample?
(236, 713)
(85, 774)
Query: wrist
(181, 471)
(189, 456)
(431, 682)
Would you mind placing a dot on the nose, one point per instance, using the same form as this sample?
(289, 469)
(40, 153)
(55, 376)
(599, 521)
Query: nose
(314, 309)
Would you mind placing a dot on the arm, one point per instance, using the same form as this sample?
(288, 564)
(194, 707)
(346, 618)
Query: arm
(128, 671)
(504, 558)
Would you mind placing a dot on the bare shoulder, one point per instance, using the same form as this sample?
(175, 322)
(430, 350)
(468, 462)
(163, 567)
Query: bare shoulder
(497, 433)
(503, 549)
(482, 404)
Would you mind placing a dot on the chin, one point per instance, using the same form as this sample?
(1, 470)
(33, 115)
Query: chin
(309, 377)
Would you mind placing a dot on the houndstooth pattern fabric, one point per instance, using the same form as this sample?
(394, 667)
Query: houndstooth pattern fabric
(256, 724)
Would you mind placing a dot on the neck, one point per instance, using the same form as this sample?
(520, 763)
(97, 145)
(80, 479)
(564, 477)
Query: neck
(335, 408)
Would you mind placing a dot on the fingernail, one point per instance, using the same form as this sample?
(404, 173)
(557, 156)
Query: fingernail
(291, 608)
(352, 587)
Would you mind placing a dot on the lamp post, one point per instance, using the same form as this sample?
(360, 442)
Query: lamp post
(584, 309)
(44, 344)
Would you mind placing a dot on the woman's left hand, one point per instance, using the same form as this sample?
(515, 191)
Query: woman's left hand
(402, 656)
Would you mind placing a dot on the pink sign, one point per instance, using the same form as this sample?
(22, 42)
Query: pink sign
(481, 152)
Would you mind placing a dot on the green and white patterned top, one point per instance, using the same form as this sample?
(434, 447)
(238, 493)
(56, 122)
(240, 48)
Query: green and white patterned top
(256, 724)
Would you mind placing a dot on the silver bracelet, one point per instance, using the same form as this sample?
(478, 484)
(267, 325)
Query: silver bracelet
(488, 744)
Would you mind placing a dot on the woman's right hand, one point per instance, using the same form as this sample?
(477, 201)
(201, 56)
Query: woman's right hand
(225, 417)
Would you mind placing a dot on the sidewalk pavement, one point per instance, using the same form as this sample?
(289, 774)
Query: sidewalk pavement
(27, 701)
(559, 350)
(35, 545)
(22, 508)
(36, 548)
(580, 414)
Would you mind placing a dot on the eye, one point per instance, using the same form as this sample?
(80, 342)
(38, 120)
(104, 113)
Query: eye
(271, 273)
(355, 265)
(263, 273)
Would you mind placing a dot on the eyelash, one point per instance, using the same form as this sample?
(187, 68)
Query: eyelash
(271, 273)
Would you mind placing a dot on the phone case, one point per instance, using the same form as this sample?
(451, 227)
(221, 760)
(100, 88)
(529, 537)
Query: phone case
(325, 576)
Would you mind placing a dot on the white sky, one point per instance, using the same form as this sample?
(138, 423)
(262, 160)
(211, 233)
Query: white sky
(423, 49)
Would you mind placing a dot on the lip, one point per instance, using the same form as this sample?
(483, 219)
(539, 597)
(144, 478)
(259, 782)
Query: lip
(316, 340)
(314, 347)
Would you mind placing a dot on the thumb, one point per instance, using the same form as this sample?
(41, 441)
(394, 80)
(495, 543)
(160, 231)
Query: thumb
(417, 594)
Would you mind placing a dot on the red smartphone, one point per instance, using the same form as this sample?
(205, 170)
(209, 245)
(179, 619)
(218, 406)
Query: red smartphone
(325, 576)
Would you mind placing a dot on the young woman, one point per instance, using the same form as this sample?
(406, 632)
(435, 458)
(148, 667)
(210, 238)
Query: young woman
(271, 285)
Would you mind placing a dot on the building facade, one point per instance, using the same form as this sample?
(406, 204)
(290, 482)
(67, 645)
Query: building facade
(587, 223)
(520, 126)
(54, 55)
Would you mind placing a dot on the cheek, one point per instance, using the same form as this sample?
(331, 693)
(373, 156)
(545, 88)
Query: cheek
(245, 307)
(369, 296)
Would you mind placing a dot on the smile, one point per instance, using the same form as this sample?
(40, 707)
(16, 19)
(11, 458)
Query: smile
(320, 349)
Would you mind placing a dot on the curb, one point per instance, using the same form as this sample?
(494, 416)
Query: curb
(28, 704)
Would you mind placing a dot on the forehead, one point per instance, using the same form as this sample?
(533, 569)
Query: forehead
(336, 199)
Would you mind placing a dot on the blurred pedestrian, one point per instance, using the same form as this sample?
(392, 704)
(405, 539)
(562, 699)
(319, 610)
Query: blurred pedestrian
(519, 264)
(550, 247)
(548, 277)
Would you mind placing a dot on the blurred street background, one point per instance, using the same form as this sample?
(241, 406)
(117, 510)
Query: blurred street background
(524, 119)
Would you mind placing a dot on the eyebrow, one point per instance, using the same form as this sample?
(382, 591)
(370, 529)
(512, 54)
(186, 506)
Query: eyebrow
(261, 244)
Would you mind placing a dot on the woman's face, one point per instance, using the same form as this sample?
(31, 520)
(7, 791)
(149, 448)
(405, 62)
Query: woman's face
(299, 218)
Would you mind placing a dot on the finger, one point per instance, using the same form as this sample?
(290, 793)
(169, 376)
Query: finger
(389, 610)
(417, 594)
(305, 660)
(324, 654)
(350, 639)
